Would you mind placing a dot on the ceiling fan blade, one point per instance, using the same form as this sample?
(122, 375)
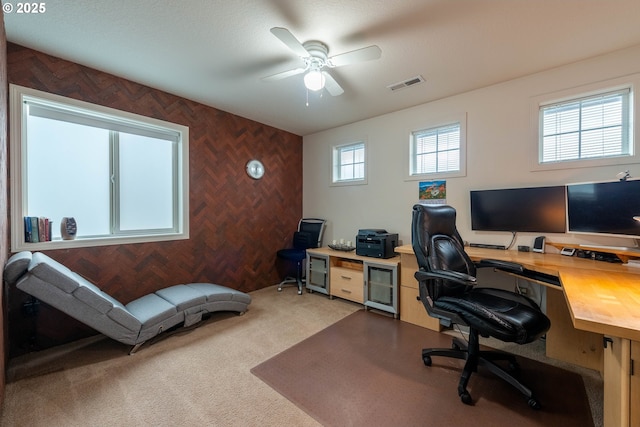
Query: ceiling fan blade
(289, 39)
(284, 74)
(359, 55)
(331, 85)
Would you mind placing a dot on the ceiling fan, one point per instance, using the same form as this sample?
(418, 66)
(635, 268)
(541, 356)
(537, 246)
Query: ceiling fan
(315, 56)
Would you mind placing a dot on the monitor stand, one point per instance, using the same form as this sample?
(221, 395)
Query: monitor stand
(629, 250)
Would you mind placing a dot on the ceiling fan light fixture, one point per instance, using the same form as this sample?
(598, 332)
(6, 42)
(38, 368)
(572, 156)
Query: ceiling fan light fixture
(314, 80)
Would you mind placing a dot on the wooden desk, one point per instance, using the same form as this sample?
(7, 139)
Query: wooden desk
(595, 300)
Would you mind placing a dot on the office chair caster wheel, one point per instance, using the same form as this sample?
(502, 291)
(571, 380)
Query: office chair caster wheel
(426, 360)
(466, 398)
(534, 404)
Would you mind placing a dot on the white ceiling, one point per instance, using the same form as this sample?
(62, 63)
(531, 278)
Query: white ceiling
(216, 51)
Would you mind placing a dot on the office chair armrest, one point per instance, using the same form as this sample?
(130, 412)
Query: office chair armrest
(510, 267)
(454, 276)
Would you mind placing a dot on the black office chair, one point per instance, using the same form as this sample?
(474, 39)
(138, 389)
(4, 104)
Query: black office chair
(308, 235)
(446, 279)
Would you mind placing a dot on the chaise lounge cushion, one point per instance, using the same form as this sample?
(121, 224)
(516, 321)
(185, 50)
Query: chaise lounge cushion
(220, 293)
(89, 293)
(16, 267)
(53, 272)
(188, 300)
(133, 323)
(182, 296)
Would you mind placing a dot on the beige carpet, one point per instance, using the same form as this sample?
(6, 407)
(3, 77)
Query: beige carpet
(201, 377)
(367, 369)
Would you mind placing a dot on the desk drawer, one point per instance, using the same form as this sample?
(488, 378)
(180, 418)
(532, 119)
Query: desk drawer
(347, 283)
(412, 310)
(408, 268)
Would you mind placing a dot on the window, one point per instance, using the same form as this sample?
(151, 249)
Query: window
(122, 177)
(349, 164)
(591, 127)
(438, 151)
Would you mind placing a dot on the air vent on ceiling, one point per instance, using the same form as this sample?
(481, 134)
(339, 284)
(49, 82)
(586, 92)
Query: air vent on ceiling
(406, 83)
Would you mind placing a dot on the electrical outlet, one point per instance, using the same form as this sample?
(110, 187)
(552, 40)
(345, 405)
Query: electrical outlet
(524, 291)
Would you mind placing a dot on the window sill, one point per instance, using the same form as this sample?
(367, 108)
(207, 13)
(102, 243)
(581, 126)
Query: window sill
(435, 176)
(348, 183)
(576, 164)
(92, 242)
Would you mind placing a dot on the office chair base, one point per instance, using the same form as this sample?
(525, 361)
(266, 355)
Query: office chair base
(475, 357)
(291, 281)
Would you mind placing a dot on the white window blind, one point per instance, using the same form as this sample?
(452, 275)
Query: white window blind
(586, 128)
(436, 150)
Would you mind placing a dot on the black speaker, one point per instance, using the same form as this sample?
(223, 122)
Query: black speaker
(538, 244)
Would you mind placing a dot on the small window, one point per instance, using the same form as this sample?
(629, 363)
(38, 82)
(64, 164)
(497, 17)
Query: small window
(122, 177)
(349, 164)
(586, 128)
(437, 151)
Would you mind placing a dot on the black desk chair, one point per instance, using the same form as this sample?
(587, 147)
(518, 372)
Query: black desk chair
(446, 279)
(308, 235)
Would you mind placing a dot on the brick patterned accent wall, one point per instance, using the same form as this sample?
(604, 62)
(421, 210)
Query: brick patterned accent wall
(237, 224)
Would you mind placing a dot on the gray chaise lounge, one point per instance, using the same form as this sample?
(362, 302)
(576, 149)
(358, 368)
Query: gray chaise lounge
(133, 323)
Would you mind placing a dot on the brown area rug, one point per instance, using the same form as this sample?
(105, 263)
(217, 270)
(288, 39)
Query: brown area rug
(367, 370)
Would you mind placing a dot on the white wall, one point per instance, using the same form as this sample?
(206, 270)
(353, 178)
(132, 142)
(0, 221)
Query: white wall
(499, 155)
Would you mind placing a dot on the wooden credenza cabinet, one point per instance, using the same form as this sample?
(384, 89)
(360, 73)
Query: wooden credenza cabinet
(372, 282)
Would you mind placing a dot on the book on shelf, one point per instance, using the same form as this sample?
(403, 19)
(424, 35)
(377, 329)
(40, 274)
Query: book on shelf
(27, 229)
(37, 229)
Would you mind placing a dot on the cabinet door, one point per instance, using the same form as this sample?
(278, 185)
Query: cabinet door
(381, 287)
(317, 273)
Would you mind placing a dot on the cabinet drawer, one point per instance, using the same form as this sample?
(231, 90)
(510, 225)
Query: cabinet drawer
(347, 283)
(412, 310)
(408, 268)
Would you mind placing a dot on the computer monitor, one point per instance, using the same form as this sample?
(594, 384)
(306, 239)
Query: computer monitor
(606, 208)
(533, 209)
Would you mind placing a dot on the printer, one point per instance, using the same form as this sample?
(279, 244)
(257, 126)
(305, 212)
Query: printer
(376, 243)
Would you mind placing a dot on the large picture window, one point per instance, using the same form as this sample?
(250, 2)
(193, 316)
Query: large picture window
(122, 177)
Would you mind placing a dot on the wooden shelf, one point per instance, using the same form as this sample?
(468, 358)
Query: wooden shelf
(622, 252)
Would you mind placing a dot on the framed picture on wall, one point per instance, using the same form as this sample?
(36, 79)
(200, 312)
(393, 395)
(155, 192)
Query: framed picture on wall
(432, 192)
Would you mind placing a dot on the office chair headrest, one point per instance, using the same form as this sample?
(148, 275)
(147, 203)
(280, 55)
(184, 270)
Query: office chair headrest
(437, 219)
